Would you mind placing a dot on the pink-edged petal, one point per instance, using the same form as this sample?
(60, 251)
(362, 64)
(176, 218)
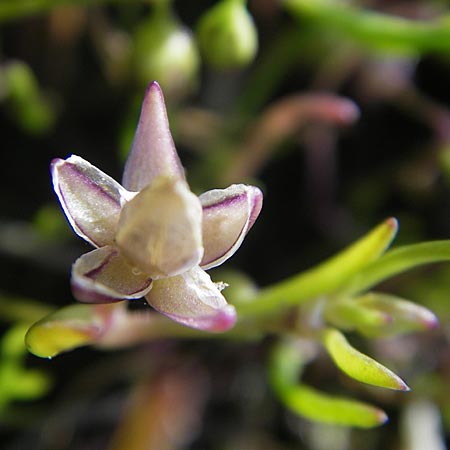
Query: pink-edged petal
(91, 200)
(153, 152)
(160, 229)
(228, 215)
(104, 276)
(192, 299)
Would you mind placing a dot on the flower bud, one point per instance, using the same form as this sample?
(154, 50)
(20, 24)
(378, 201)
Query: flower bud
(227, 35)
(165, 51)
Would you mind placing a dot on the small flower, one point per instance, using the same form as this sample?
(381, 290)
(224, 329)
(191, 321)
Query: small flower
(153, 236)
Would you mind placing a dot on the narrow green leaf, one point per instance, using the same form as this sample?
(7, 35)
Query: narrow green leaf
(350, 315)
(405, 316)
(315, 405)
(325, 278)
(20, 384)
(11, 345)
(286, 362)
(357, 365)
(66, 329)
(397, 261)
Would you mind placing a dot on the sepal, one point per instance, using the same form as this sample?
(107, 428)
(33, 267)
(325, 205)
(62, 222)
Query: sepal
(192, 299)
(91, 200)
(228, 215)
(153, 151)
(104, 276)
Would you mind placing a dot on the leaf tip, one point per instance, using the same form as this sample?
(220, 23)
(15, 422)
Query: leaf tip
(403, 386)
(381, 417)
(392, 223)
(429, 320)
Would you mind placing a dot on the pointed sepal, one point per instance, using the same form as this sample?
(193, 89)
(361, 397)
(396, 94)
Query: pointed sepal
(153, 151)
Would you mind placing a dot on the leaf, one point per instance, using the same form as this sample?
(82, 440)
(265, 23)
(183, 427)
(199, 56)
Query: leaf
(357, 365)
(397, 261)
(374, 30)
(16, 381)
(326, 277)
(405, 316)
(66, 329)
(348, 314)
(286, 363)
(315, 405)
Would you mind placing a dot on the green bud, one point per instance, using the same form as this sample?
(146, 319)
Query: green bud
(227, 35)
(166, 51)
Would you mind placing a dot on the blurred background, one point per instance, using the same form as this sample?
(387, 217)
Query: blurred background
(342, 118)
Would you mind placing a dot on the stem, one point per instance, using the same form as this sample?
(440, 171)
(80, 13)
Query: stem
(278, 60)
(375, 29)
(11, 9)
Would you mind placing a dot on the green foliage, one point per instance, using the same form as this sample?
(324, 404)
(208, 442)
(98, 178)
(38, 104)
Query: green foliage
(328, 276)
(357, 365)
(286, 364)
(29, 106)
(381, 32)
(380, 315)
(337, 42)
(64, 330)
(397, 261)
(16, 381)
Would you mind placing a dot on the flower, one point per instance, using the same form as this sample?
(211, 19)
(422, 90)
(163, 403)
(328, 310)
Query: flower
(153, 236)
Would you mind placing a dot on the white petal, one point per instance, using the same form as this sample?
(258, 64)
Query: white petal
(103, 276)
(193, 300)
(160, 230)
(153, 152)
(228, 215)
(90, 199)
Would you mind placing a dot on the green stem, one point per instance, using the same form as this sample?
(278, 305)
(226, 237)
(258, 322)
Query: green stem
(278, 60)
(14, 9)
(374, 29)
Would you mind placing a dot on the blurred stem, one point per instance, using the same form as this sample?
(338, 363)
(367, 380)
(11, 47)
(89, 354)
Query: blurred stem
(23, 310)
(131, 328)
(14, 9)
(278, 60)
(375, 29)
